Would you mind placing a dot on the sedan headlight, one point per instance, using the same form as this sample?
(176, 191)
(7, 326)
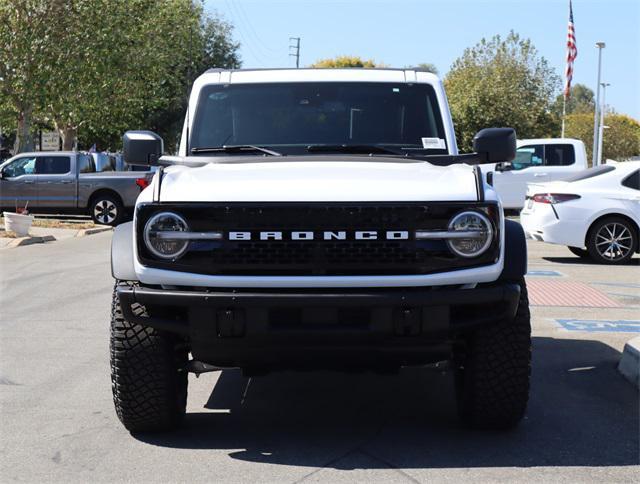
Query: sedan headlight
(159, 236)
(474, 234)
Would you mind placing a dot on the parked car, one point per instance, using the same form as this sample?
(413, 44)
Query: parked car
(596, 213)
(68, 182)
(314, 219)
(537, 160)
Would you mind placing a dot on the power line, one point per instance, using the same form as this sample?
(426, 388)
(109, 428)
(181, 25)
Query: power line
(296, 48)
(252, 31)
(242, 36)
(254, 47)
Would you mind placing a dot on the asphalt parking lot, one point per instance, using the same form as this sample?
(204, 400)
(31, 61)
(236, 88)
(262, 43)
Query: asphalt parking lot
(58, 424)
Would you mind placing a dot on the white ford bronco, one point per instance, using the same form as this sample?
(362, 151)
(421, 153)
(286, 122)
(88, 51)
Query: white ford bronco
(318, 219)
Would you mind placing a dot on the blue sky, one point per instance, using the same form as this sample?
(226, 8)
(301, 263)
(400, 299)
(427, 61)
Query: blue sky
(407, 32)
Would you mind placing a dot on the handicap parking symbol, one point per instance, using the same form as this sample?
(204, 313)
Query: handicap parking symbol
(593, 325)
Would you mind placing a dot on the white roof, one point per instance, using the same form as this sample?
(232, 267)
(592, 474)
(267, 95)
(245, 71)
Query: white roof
(548, 141)
(215, 76)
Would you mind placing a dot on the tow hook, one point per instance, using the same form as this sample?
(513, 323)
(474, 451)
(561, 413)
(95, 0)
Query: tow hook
(198, 367)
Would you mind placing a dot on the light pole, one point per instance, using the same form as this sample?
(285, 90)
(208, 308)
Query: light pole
(596, 130)
(602, 126)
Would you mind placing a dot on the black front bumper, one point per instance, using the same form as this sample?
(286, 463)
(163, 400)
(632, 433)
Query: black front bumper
(285, 328)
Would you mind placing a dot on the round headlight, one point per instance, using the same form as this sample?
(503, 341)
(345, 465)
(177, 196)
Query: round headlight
(479, 230)
(157, 235)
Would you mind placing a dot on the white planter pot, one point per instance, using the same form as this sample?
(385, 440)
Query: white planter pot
(17, 223)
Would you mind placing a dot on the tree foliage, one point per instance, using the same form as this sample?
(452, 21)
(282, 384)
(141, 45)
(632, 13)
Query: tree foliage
(94, 68)
(346, 61)
(581, 100)
(621, 139)
(502, 82)
(425, 67)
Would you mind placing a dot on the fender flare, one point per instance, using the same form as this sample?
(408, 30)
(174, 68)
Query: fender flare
(122, 258)
(515, 252)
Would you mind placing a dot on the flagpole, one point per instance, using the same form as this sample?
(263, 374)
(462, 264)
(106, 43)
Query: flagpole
(564, 113)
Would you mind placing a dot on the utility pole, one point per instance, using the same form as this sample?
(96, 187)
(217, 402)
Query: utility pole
(596, 118)
(602, 126)
(296, 50)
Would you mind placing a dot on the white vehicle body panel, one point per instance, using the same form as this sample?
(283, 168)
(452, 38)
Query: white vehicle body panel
(271, 180)
(568, 223)
(512, 185)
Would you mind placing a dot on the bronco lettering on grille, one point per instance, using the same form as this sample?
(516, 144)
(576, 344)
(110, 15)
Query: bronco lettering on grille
(302, 235)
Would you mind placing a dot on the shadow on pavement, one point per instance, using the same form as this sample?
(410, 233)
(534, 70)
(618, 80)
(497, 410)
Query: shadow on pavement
(579, 260)
(581, 413)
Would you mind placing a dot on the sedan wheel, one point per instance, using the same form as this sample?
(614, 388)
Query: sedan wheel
(612, 241)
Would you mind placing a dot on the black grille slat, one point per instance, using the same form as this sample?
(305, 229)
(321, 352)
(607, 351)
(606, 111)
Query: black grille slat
(317, 257)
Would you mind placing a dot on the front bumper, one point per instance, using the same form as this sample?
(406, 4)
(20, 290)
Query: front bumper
(366, 328)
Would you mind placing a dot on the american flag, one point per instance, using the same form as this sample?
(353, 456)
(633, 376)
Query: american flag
(572, 53)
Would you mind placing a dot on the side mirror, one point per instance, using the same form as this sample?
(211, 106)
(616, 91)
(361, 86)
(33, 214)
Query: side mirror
(142, 148)
(504, 166)
(495, 144)
(1, 174)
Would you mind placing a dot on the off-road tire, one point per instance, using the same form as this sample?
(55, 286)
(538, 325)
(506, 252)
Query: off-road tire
(494, 369)
(583, 253)
(148, 376)
(106, 209)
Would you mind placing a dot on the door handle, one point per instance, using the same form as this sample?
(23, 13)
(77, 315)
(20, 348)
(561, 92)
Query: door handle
(66, 182)
(540, 174)
(28, 182)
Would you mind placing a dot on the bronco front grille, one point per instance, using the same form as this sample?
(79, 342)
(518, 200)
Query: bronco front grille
(318, 256)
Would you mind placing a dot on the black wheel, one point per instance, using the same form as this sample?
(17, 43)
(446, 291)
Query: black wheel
(612, 240)
(148, 376)
(106, 209)
(492, 378)
(578, 251)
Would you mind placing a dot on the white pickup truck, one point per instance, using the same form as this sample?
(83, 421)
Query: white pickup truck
(537, 161)
(319, 219)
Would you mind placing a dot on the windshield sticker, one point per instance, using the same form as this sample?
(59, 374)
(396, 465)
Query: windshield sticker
(434, 143)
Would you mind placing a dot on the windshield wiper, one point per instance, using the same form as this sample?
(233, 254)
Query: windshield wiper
(236, 149)
(354, 149)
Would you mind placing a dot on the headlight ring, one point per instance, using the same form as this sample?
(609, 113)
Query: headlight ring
(165, 248)
(470, 221)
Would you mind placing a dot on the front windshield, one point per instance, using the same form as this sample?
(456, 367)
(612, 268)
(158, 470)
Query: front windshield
(292, 116)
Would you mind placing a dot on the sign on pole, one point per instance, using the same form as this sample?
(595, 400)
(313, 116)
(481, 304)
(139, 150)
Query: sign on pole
(50, 141)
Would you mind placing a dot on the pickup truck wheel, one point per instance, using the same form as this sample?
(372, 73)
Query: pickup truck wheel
(148, 376)
(612, 240)
(492, 380)
(578, 251)
(106, 210)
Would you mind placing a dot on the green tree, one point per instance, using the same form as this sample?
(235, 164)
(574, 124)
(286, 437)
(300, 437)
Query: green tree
(23, 39)
(213, 46)
(581, 100)
(502, 82)
(346, 61)
(621, 137)
(425, 67)
(94, 76)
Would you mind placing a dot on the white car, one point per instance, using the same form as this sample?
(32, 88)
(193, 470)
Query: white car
(540, 160)
(595, 213)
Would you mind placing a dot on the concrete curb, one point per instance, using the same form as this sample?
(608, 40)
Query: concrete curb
(629, 364)
(95, 230)
(19, 242)
(40, 239)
